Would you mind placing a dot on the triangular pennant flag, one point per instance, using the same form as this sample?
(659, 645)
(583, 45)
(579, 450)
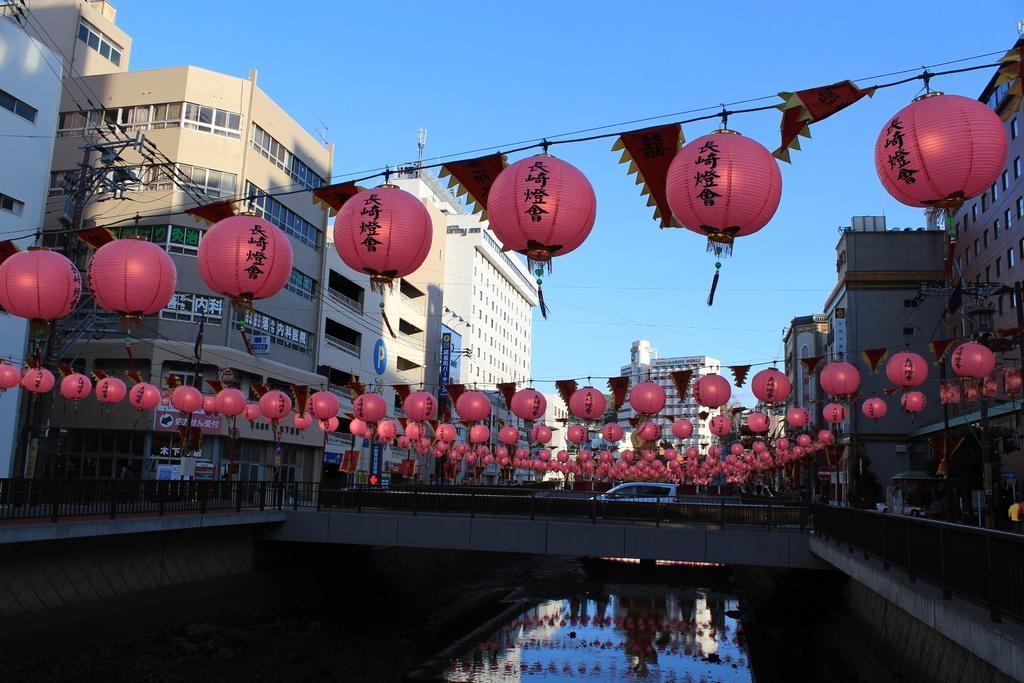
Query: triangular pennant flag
(259, 389)
(474, 177)
(65, 369)
(403, 392)
(618, 386)
(802, 108)
(649, 152)
(681, 380)
(173, 381)
(1011, 72)
(335, 196)
(454, 391)
(213, 212)
(95, 237)
(811, 364)
(356, 387)
(216, 386)
(7, 249)
(566, 388)
(834, 454)
(891, 390)
(134, 376)
(507, 389)
(940, 348)
(739, 374)
(301, 394)
(703, 415)
(1010, 332)
(874, 357)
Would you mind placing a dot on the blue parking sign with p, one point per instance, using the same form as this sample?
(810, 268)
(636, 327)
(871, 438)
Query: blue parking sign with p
(380, 357)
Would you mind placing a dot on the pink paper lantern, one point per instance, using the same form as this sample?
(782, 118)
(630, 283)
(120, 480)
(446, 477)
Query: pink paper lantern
(39, 284)
(230, 402)
(541, 207)
(386, 431)
(251, 412)
(682, 429)
(840, 378)
(209, 404)
(758, 422)
(301, 422)
(75, 386)
(913, 402)
(712, 391)
(186, 399)
(647, 398)
(834, 413)
(587, 404)
(38, 380)
(611, 432)
(111, 390)
(403, 442)
(275, 405)
(330, 425)
(804, 440)
(720, 425)
(413, 431)
(479, 434)
(420, 406)
(906, 370)
(385, 233)
(540, 434)
(723, 186)
(472, 406)
(10, 376)
(648, 431)
(825, 436)
(323, 405)
(770, 386)
(144, 396)
(246, 258)
(527, 404)
(508, 435)
(797, 418)
(940, 150)
(133, 277)
(357, 427)
(369, 407)
(576, 433)
(445, 432)
(874, 408)
(972, 360)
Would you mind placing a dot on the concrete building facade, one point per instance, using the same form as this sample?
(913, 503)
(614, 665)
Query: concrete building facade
(806, 337)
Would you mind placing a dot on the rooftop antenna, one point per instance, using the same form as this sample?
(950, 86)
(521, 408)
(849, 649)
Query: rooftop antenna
(322, 133)
(421, 144)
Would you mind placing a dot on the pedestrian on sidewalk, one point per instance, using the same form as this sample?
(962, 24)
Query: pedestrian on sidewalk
(1014, 512)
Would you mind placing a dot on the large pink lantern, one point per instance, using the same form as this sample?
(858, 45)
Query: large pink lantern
(611, 432)
(420, 405)
(940, 150)
(576, 433)
(133, 277)
(682, 429)
(540, 434)
(75, 386)
(275, 405)
(724, 186)
(144, 396)
(712, 391)
(758, 422)
(479, 434)
(647, 398)
(10, 376)
(587, 404)
(323, 405)
(906, 370)
(972, 360)
(230, 402)
(839, 378)
(508, 435)
(770, 386)
(369, 407)
(720, 425)
(385, 233)
(541, 207)
(110, 390)
(648, 431)
(797, 418)
(472, 406)
(246, 258)
(38, 380)
(834, 413)
(445, 432)
(528, 404)
(39, 284)
(913, 401)
(186, 399)
(874, 408)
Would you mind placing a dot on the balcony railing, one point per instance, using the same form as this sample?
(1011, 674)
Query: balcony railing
(348, 347)
(350, 303)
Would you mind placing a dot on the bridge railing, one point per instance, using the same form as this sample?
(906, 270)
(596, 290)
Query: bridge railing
(980, 564)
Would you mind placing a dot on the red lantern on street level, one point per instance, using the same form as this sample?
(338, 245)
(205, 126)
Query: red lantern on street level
(587, 404)
(770, 386)
(413, 431)
(209, 404)
(647, 398)
(940, 150)
(826, 437)
(39, 284)
(275, 405)
(682, 429)
(186, 399)
(913, 402)
(357, 427)
(110, 390)
(230, 402)
(906, 370)
(144, 396)
(323, 405)
(385, 233)
(874, 408)
(75, 386)
(972, 360)
(528, 404)
(369, 407)
(541, 207)
(712, 391)
(472, 406)
(246, 258)
(834, 413)
(840, 378)
(420, 406)
(647, 431)
(133, 277)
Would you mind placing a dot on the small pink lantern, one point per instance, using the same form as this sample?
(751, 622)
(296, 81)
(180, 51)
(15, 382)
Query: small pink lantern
(782, 444)
(209, 404)
(186, 399)
(420, 406)
(803, 440)
(825, 436)
(246, 258)
(720, 425)
(10, 376)
(403, 442)
(508, 435)
(797, 418)
(576, 433)
(385, 233)
(302, 422)
(527, 404)
(144, 396)
(647, 398)
(611, 432)
(648, 431)
(906, 370)
(834, 413)
(386, 431)
(940, 150)
(39, 284)
(323, 405)
(275, 405)
(252, 412)
(133, 277)
(587, 404)
(682, 429)
(472, 406)
(874, 408)
(758, 422)
(770, 386)
(839, 378)
(329, 425)
(541, 207)
(111, 390)
(712, 391)
(445, 432)
(75, 386)
(357, 427)
(230, 402)
(972, 360)
(413, 431)
(913, 402)
(540, 434)
(479, 434)
(369, 407)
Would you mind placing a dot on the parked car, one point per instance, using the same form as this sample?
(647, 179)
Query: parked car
(641, 493)
(936, 510)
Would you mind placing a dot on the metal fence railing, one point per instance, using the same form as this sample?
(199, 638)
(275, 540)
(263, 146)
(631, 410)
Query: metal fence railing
(984, 565)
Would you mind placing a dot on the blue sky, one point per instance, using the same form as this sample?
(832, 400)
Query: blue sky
(476, 74)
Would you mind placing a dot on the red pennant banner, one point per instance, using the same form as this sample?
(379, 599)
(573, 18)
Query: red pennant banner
(802, 108)
(474, 177)
(215, 385)
(259, 389)
(940, 349)
(891, 390)
(454, 391)
(650, 152)
(349, 461)
(681, 379)
(65, 369)
(173, 381)
(618, 386)
(403, 391)
(811, 364)
(335, 196)
(134, 376)
(874, 357)
(949, 393)
(356, 387)
(301, 394)
(739, 374)
(213, 212)
(1010, 332)
(7, 249)
(1011, 72)
(508, 390)
(95, 237)
(566, 388)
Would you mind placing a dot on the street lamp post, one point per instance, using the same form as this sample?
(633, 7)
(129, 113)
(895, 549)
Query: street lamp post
(982, 324)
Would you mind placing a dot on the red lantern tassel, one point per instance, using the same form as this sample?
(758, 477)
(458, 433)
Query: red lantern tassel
(714, 286)
(540, 300)
(388, 323)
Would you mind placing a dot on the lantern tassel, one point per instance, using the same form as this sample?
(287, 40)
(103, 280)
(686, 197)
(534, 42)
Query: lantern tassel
(714, 286)
(540, 300)
(391, 331)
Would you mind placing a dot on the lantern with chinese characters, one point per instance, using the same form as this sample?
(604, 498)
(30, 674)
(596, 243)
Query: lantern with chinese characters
(587, 404)
(230, 402)
(770, 386)
(144, 396)
(386, 431)
(110, 390)
(906, 370)
(798, 417)
(369, 407)
(445, 432)
(940, 150)
(540, 434)
(840, 378)
(420, 405)
(720, 425)
(40, 285)
(647, 398)
(275, 405)
(712, 391)
(758, 422)
(38, 380)
(541, 207)
(251, 412)
(647, 431)
(834, 413)
(472, 406)
(611, 432)
(75, 387)
(323, 405)
(576, 433)
(133, 277)
(913, 402)
(972, 360)
(874, 408)
(528, 404)
(413, 431)
(385, 233)
(682, 429)
(186, 399)
(246, 258)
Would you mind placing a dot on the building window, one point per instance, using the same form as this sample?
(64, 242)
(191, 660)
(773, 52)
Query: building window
(209, 181)
(999, 266)
(11, 204)
(1020, 207)
(1011, 258)
(984, 239)
(1008, 218)
(988, 273)
(1017, 167)
(16, 106)
(994, 191)
(283, 217)
(152, 117)
(91, 36)
(301, 284)
(194, 307)
(175, 239)
(1005, 179)
(995, 229)
(984, 200)
(1013, 128)
(211, 120)
(284, 159)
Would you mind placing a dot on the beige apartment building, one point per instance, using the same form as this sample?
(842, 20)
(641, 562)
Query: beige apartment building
(210, 136)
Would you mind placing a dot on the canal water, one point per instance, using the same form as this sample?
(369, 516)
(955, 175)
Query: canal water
(625, 633)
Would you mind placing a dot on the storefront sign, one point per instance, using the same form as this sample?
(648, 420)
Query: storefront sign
(260, 343)
(167, 419)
